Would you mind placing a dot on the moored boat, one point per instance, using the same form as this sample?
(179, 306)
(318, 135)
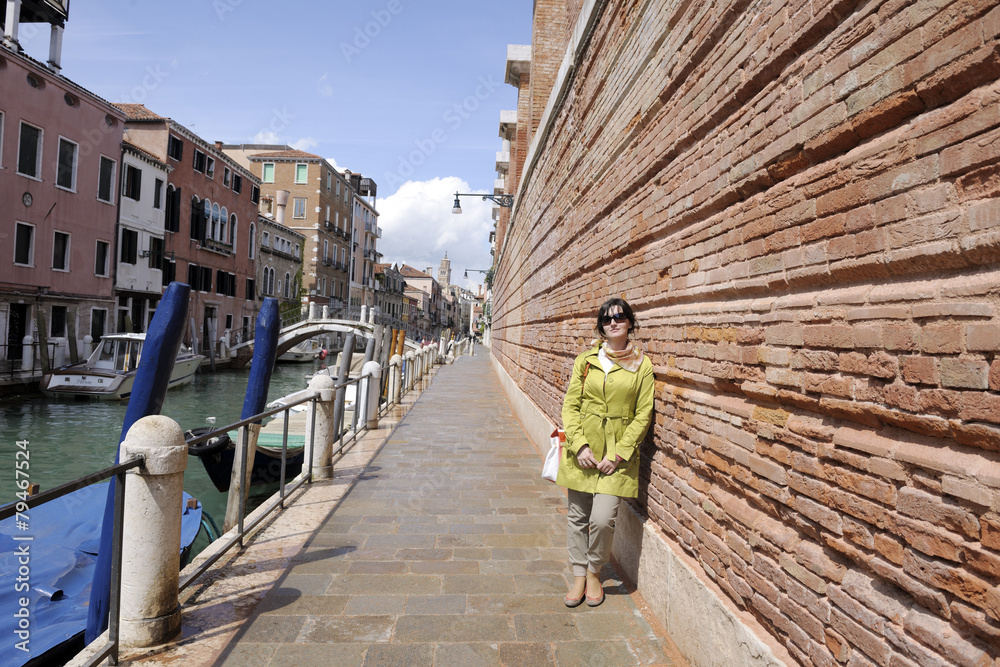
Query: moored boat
(109, 372)
(305, 351)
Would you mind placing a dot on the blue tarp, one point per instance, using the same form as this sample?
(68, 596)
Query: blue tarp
(60, 556)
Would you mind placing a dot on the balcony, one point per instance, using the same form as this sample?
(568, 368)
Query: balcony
(503, 161)
(499, 186)
(217, 246)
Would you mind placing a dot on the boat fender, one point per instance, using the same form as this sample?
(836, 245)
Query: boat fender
(211, 446)
(322, 354)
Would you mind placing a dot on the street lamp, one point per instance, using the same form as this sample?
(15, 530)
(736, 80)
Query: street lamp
(466, 276)
(506, 201)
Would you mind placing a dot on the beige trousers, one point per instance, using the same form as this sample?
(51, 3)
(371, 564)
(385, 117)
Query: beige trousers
(591, 530)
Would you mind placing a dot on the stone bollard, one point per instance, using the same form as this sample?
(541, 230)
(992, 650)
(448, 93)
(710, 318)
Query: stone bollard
(364, 314)
(313, 310)
(151, 529)
(395, 375)
(27, 354)
(370, 411)
(88, 346)
(320, 451)
(60, 347)
(411, 365)
(326, 312)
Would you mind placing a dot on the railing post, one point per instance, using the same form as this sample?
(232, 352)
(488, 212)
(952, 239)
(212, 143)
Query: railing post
(372, 378)
(395, 375)
(149, 612)
(319, 443)
(411, 365)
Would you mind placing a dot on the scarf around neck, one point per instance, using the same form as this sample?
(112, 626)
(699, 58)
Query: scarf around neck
(630, 358)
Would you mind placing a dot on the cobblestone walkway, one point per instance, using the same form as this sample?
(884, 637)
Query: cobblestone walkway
(450, 550)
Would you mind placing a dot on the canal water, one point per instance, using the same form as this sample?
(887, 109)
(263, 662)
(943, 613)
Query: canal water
(68, 439)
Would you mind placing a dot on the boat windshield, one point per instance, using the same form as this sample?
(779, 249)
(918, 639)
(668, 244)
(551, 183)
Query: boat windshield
(120, 355)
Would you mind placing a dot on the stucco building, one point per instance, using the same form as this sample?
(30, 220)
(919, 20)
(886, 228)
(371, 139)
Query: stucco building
(279, 263)
(60, 156)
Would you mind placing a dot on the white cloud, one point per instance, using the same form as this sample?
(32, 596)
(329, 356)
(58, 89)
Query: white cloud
(266, 137)
(418, 228)
(304, 144)
(333, 163)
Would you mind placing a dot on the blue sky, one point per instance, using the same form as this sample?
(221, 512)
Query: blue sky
(400, 90)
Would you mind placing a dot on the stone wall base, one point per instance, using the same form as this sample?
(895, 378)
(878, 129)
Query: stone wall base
(706, 626)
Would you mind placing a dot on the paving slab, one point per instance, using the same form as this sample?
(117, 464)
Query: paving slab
(448, 549)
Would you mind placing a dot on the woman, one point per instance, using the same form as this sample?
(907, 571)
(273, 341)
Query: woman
(606, 412)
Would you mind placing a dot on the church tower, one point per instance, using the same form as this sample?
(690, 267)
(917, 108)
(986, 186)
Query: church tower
(444, 273)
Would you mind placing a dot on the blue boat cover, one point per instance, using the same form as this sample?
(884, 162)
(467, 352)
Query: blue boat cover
(61, 554)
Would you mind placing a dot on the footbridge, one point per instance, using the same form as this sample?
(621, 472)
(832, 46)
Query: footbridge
(297, 332)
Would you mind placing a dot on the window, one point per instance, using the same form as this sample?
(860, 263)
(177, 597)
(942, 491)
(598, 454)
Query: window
(106, 179)
(232, 230)
(210, 170)
(155, 253)
(279, 286)
(326, 250)
(265, 240)
(101, 254)
(57, 328)
(251, 288)
(29, 151)
(206, 279)
(328, 214)
(194, 277)
(157, 194)
(220, 281)
(175, 148)
(98, 316)
(288, 286)
(199, 161)
(226, 176)
(253, 241)
(169, 271)
(197, 219)
(299, 207)
(254, 194)
(66, 168)
(329, 181)
(301, 173)
(238, 184)
(60, 251)
(172, 215)
(132, 183)
(268, 172)
(338, 188)
(24, 244)
(129, 246)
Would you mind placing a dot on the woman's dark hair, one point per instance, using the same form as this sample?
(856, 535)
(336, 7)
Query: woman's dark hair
(608, 305)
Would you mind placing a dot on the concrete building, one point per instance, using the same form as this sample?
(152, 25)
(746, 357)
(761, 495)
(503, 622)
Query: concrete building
(140, 258)
(211, 203)
(279, 264)
(365, 246)
(60, 156)
(303, 192)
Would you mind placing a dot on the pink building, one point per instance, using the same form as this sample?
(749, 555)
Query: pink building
(60, 153)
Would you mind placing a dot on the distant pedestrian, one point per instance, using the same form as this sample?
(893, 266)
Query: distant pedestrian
(606, 413)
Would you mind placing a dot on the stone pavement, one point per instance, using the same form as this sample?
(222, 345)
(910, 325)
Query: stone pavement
(449, 550)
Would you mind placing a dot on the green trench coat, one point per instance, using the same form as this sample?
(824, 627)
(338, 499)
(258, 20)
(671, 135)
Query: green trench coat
(610, 415)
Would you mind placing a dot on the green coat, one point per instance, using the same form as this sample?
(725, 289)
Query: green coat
(611, 415)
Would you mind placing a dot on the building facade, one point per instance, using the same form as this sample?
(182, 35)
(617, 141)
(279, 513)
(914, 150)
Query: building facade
(279, 264)
(365, 253)
(389, 295)
(304, 193)
(140, 255)
(60, 156)
(210, 205)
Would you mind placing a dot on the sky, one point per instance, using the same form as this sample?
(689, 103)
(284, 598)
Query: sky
(407, 92)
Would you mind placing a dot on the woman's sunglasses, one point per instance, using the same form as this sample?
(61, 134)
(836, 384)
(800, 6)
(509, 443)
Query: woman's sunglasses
(617, 317)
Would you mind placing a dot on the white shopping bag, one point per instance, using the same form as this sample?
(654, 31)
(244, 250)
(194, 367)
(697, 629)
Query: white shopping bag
(551, 467)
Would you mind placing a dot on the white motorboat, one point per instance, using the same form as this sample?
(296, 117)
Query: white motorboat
(110, 371)
(305, 351)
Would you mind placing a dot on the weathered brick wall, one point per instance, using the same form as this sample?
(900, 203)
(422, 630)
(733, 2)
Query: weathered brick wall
(801, 201)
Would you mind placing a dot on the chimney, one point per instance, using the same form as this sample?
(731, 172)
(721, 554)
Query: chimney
(218, 146)
(281, 201)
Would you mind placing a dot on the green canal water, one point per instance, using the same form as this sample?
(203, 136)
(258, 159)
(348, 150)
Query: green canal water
(68, 439)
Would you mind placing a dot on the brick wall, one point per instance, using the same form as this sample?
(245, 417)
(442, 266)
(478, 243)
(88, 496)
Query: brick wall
(801, 201)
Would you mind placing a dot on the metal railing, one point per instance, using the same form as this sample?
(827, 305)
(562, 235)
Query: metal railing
(242, 530)
(11, 367)
(20, 507)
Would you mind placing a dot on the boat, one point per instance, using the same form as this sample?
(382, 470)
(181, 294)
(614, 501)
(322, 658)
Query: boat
(305, 351)
(64, 538)
(218, 453)
(110, 370)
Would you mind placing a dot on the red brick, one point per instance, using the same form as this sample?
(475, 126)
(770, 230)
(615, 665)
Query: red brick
(982, 337)
(991, 532)
(837, 336)
(964, 374)
(900, 336)
(920, 370)
(941, 339)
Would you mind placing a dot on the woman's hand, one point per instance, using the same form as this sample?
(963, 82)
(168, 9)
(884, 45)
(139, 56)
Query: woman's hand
(586, 458)
(607, 466)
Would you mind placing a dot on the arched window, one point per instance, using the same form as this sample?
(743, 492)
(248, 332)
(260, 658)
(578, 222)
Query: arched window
(215, 222)
(279, 287)
(232, 231)
(288, 289)
(224, 218)
(253, 241)
(197, 221)
(270, 283)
